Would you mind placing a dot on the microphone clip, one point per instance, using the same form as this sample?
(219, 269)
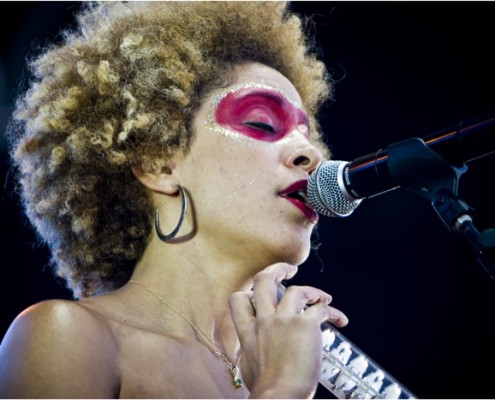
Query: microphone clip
(415, 166)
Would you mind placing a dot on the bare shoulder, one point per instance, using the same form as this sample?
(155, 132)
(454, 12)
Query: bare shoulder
(58, 348)
(58, 320)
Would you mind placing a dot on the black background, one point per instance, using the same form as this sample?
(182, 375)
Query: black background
(419, 303)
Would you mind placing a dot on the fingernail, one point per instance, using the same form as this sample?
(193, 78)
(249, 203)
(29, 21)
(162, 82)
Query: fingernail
(291, 274)
(343, 320)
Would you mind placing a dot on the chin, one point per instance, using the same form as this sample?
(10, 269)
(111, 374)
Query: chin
(301, 258)
(289, 247)
(296, 254)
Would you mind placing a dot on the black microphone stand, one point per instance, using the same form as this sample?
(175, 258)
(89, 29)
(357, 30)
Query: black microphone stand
(416, 167)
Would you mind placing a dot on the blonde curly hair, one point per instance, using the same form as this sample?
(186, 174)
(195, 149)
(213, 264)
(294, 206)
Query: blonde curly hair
(120, 91)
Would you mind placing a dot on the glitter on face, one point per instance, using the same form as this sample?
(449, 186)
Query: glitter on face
(257, 113)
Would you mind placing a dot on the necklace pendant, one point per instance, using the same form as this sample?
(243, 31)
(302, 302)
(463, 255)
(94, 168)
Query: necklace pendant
(234, 371)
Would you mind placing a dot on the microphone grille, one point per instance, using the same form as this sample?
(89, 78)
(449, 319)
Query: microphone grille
(325, 194)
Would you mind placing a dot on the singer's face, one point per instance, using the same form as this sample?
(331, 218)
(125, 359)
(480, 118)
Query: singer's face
(250, 155)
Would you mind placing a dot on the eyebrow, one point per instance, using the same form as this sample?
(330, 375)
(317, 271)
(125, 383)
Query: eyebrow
(272, 95)
(280, 98)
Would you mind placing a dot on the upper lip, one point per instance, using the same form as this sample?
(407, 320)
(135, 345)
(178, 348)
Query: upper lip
(297, 189)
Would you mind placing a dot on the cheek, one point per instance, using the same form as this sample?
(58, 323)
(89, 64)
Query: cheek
(229, 172)
(230, 192)
(221, 166)
(241, 173)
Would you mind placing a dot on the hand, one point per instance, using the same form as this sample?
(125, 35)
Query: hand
(281, 342)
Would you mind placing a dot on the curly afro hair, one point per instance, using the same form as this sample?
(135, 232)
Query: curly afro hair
(121, 90)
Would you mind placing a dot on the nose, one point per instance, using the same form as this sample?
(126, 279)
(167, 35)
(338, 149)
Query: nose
(303, 154)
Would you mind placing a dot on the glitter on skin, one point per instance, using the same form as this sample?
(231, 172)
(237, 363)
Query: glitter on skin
(293, 109)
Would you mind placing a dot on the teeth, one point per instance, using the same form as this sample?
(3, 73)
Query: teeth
(303, 195)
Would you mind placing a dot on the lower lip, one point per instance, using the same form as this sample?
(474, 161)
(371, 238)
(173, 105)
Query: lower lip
(311, 214)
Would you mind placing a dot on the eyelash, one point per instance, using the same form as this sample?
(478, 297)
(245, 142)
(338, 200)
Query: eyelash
(260, 126)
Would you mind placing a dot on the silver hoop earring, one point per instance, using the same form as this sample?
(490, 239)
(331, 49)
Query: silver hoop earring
(171, 235)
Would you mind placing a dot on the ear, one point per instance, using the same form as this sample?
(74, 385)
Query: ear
(163, 182)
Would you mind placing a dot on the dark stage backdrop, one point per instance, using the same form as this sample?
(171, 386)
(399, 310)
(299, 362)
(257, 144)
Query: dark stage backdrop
(419, 303)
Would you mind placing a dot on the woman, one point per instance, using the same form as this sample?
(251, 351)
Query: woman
(163, 153)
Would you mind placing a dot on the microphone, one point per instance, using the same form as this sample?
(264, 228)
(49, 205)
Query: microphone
(336, 188)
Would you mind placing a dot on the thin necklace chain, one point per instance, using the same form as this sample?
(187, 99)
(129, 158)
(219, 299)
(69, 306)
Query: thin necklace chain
(233, 368)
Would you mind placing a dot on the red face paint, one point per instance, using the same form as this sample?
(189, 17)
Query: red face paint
(259, 113)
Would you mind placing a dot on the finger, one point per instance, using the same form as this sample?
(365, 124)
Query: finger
(296, 298)
(242, 313)
(265, 286)
(322, 312)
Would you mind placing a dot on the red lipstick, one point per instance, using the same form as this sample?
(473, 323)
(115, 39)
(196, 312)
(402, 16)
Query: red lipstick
(296, 194)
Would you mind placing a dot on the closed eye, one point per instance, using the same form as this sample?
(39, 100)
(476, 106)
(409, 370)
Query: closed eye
(262, 126)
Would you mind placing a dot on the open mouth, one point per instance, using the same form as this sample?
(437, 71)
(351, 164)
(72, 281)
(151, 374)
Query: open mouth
(299, 195)
(296, 194)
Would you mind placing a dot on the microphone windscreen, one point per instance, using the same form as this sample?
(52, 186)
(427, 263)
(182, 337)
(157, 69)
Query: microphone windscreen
(326, 195)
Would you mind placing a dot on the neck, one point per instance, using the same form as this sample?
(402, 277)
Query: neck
(198, 284)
